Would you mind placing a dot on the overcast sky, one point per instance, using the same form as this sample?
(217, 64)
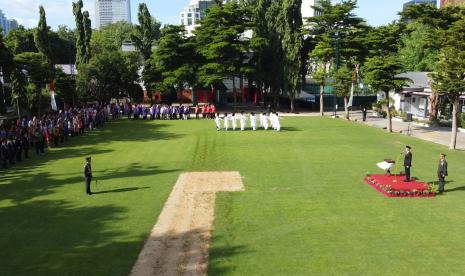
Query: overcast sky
(59, 12)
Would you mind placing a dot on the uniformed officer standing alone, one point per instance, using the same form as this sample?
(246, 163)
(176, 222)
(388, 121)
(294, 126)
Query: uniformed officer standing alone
(407, 163)
(442, 172)
(88, 175)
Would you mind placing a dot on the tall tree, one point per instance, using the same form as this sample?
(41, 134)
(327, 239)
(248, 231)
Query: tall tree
(340, 35)
(292, 42)
(421, 45)
(21, 40)
(42, 40)
(267, 47)
(449, 78)
(144, 37)
(6, 59)
(42, 37)
(80, 34)
(343, 81)
(37, 69)
(146, 33)
(380, 74)
(174, 60)
(87, 35)
(220, 40)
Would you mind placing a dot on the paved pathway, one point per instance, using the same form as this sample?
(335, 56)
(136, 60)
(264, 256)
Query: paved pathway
(439, 135)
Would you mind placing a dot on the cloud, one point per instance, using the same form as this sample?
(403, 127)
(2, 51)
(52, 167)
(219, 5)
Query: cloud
(59, 12)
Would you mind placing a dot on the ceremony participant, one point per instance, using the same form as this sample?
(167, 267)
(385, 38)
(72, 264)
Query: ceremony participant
(442, 172)
(226, 121)
(272, 121)
(407, 163)
(265, 121)
(233, 121)
(277, 122)
(242, 120)
(218, 121)
(253, 121)
(88, 175)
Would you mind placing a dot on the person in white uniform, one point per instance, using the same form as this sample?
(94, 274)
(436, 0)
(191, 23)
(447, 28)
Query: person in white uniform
(218, 121)
(226, 121)
(261, 120)
(277, 122)
(233, 121)
(265, 121)
(242, 120)
(253, 121)
(272, 121)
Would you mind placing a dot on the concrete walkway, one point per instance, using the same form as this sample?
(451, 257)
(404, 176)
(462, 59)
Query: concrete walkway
(439, 135)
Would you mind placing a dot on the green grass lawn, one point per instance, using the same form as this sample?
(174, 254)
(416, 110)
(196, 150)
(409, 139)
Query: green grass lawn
(306, 209)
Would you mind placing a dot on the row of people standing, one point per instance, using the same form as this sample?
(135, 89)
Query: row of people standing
(230, 121)
(19, 136)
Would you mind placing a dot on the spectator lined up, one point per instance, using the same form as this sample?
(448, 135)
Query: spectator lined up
(19, 136)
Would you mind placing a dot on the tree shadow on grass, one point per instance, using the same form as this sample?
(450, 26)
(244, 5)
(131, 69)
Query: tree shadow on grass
(220, 252)
(30, 185)
(57, 238)
(118, 131)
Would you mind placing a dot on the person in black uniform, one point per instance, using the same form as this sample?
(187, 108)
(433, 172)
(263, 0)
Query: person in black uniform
(88, 175)
(4, 154)
(442, 172)
(407, 163)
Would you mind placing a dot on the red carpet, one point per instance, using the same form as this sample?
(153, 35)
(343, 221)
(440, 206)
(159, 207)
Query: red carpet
(394, 186)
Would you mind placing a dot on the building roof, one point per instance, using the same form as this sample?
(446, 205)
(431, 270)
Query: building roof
(420, 80)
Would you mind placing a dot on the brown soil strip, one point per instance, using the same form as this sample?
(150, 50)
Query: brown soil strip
(179, 241)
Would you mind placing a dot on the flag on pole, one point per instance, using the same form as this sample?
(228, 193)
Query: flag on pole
(52, 96)
(351, 99)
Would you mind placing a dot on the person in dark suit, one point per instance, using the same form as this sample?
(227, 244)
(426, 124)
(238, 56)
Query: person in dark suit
(88, 175)
(4, 154)
(442, 172)
(407, 163)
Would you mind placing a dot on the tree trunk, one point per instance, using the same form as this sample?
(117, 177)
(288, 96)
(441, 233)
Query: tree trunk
(322, 90)
(453, 140)
(292, 100)
(39, 103)
(234, 93)
(346, 103)
(389, 127)
(433, 106)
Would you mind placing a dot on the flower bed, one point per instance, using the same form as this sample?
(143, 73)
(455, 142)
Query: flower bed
(395, 186)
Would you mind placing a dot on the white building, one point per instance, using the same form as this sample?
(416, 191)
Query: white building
(196, 10)
(112, 11)
(193, 13)
(307, 10)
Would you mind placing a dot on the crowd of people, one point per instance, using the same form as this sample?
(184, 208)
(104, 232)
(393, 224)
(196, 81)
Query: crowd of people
(37, 134)
(230, 121)
(168, 112)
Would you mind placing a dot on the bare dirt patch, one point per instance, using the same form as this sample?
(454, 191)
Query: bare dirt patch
(179, 241)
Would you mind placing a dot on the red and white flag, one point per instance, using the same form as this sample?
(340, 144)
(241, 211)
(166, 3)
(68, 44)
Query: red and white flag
(52, 96)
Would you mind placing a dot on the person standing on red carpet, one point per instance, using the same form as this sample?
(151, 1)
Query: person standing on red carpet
(407, 163)
(442, 172)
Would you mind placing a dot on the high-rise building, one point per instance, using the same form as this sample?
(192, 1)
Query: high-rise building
(196, 10)
(419, 2)
(112, 11)
(307, 8)
(7, 25)
(193, 13)
(452, 3)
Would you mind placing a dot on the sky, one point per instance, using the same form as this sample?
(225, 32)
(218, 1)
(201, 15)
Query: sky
(59, 12)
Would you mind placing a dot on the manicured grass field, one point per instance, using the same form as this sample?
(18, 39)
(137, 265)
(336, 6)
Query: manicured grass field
(305, 211)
